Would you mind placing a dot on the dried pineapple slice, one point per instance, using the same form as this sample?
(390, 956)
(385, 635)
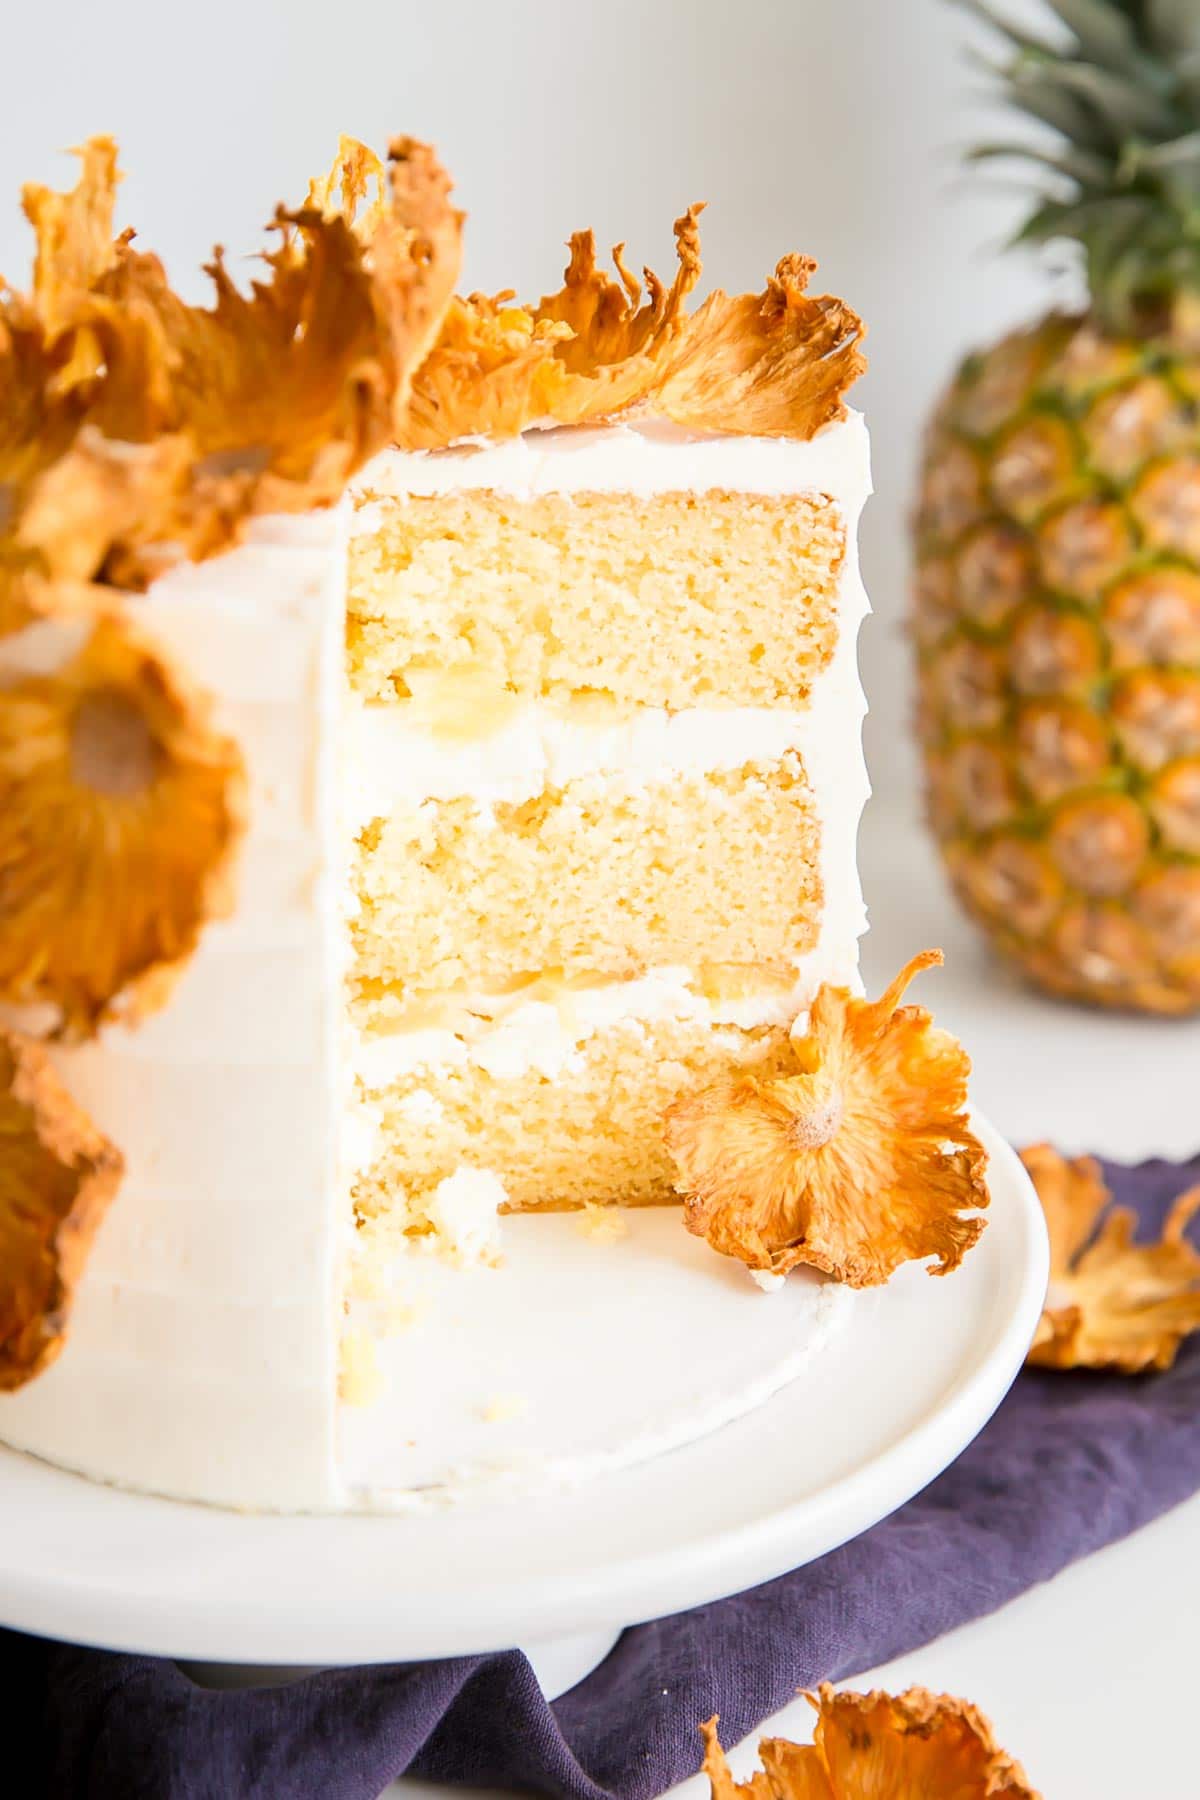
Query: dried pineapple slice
(859, 1161)
(910, 1746)
(775, 363)
(1112, 1304)
(57, 1177)
(120, 808)
(135, 429)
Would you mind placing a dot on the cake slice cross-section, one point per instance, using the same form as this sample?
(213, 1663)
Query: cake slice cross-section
(602, 790)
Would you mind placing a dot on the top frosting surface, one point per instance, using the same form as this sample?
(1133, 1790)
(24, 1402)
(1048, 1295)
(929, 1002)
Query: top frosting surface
(649, 456)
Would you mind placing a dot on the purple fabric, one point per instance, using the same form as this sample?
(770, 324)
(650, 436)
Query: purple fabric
(1069, 1463)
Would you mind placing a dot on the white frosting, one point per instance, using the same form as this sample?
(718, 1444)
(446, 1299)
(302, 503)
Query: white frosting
(392, 759)
(464, 1210)
(509, 1035)
(651, 457)
(201, 1356)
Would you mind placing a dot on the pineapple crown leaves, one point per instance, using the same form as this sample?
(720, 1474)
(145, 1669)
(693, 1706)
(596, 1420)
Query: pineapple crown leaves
(1118, 83)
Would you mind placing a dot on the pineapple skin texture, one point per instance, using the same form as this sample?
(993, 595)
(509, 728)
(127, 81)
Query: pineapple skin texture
(1056, 615)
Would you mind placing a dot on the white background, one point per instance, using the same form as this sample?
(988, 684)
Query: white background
(823, 125)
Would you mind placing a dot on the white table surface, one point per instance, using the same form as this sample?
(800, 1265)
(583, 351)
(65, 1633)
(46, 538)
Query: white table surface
(1090, 1679)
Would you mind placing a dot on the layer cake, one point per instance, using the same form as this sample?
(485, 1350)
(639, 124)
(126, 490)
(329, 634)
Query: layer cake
(518, 749)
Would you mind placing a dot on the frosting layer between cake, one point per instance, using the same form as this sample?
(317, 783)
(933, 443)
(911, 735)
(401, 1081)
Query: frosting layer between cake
(651, 456)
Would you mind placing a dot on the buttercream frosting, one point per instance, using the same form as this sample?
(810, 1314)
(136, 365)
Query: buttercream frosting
(646, 457)
(201, 1358)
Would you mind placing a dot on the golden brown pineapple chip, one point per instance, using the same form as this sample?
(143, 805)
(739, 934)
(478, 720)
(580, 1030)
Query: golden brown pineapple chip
(858, 1161)
(57, 1176)
(776, 364)
(120, 807)
(1112, 1304)
(910, 1746)
(135, 429)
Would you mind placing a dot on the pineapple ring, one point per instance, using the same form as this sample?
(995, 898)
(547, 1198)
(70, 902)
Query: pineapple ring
(120, 808)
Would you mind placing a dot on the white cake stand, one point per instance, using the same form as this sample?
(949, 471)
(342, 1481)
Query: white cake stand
(881, 1406)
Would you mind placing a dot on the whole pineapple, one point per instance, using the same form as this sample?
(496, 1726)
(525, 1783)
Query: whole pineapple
(1057, 603)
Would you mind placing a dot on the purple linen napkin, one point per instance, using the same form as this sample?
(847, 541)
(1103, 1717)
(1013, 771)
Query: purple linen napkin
(1069, 1463)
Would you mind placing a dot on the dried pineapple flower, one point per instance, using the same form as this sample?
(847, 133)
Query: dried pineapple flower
(57, 1176)
(135, 428)
(776, 363)
(859, 1161)
(1112, 1304)
(120, 806)
(910, 1746)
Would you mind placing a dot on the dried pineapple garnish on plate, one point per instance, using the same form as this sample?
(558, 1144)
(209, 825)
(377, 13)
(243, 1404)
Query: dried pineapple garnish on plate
(120, 810)
(859, 1161)
(876, 1746)
(1113, 1303)
(57, 1176)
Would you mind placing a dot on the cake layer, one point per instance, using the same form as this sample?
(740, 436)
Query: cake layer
(678, 599)
(589, 1132)
(450, 740)
(605, 876)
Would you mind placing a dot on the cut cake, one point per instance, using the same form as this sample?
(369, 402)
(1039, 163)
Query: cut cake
(519, 771)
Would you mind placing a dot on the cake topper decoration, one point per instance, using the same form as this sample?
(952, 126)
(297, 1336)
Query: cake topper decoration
(775, 364)
(137, 429)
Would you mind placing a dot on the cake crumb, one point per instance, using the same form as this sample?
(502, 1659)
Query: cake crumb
(360, 1379)
(397, 1316)
(503, 1407)
(366, 1281)
(603, 1224)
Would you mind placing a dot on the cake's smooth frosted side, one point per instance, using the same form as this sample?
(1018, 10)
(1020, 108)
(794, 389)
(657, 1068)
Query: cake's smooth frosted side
(201, 1358)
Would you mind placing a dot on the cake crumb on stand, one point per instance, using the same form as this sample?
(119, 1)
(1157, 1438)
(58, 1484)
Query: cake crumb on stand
(501, 1409)
(602, 1224)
